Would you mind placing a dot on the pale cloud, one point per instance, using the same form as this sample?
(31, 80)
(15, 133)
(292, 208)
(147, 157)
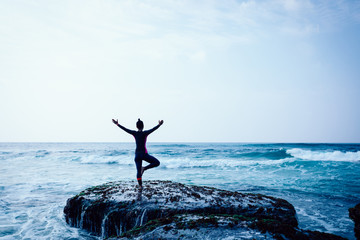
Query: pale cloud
(291, 5)
(334, 15)
(295, 5)
(302, 31)
(167, 28)
(198, 56)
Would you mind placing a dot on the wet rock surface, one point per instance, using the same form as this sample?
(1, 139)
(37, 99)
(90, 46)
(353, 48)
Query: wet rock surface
(170, 210)
(354, 214)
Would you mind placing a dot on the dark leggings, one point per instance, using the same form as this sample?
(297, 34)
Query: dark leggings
(153, 162)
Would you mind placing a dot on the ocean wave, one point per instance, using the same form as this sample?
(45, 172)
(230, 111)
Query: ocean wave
(41, 153)
(324, 155)
(242, 154)
(220, 163)
(115, 152)
(274, 154)
(96, 159)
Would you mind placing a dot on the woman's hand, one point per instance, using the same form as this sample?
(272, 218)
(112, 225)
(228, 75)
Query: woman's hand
(115, 121)
(161, 122)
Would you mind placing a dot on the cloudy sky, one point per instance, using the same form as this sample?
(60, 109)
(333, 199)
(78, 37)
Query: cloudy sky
(214, 70)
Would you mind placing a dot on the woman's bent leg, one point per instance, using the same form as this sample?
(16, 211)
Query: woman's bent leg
(152, 160)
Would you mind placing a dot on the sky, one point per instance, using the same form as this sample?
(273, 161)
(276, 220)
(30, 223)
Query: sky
(214, 70)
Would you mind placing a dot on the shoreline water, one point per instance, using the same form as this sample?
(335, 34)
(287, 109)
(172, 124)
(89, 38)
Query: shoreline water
(320, 180)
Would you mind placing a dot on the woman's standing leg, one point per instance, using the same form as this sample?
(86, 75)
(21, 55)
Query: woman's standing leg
(138, 162)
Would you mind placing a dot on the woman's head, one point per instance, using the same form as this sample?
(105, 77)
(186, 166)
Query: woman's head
(140, 124)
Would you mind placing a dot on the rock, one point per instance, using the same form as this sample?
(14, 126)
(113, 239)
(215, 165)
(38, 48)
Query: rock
(354, 214)
(170, 210)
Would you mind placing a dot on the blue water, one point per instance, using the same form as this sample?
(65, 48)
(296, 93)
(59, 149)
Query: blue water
(321, 180)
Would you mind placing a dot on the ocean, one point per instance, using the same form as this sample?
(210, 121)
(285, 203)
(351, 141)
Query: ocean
(320, 180)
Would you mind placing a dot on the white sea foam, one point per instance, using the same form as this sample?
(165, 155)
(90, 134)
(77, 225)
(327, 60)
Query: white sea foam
(325, 155)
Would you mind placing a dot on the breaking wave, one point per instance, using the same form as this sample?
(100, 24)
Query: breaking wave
(324, 155)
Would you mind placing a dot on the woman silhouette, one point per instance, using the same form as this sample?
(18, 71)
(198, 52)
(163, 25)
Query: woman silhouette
(141, 151)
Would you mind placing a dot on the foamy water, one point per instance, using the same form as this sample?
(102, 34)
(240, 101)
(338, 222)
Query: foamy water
(321, 180)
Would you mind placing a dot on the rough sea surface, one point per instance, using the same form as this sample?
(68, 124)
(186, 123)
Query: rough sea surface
(321, 180)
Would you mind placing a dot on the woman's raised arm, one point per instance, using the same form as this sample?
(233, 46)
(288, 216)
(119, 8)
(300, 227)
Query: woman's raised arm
(116, 122)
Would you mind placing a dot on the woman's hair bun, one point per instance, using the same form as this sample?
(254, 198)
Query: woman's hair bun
(140, 124)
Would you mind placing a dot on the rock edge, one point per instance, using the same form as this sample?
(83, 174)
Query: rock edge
(354, 214)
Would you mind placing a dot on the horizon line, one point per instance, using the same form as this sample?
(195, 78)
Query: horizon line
(172, 142)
